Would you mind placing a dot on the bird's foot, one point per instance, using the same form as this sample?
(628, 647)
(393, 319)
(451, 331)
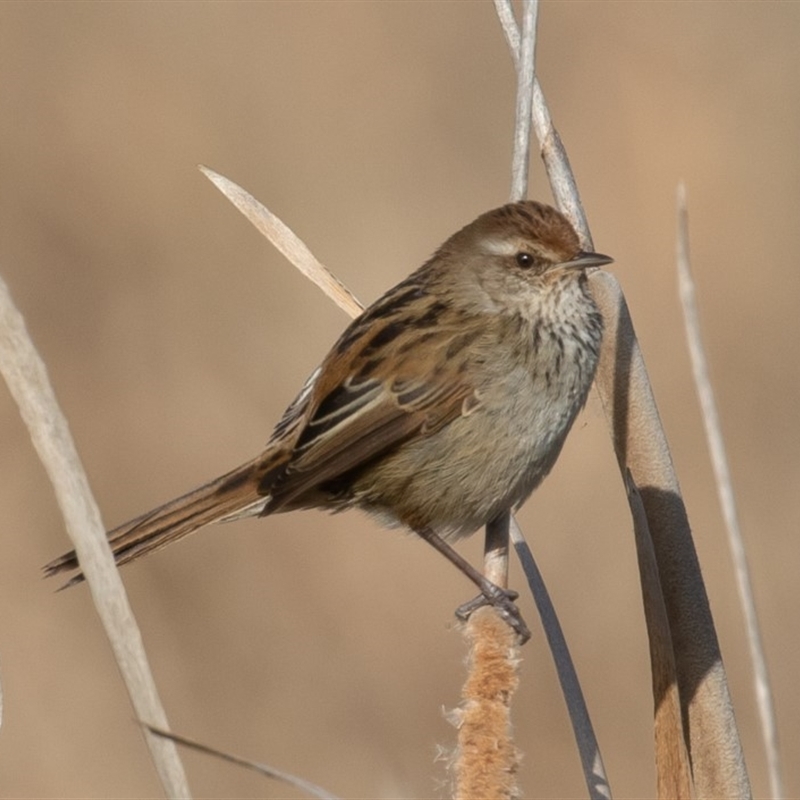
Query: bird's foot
(502, 600)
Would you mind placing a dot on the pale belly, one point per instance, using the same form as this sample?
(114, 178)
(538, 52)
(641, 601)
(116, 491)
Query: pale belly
(482, 464)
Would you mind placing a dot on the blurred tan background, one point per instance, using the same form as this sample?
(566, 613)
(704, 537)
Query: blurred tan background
(175, 336)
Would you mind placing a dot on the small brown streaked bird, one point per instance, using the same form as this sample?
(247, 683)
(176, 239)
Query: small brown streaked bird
(440, 408)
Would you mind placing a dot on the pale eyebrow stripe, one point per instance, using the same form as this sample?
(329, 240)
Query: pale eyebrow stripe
(500, 247)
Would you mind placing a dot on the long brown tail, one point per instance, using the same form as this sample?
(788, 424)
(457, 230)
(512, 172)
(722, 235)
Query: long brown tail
(228, 496)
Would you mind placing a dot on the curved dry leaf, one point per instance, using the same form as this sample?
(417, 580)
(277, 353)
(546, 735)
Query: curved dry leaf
(286, 241)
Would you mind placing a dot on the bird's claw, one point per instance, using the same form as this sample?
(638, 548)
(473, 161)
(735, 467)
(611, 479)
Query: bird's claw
(502, 600)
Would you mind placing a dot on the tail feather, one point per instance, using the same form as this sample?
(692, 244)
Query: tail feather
(230, 496)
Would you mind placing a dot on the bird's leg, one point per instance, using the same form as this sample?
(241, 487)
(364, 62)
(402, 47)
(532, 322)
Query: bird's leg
(491, 594)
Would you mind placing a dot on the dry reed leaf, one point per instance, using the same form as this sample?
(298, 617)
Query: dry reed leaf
(279, 775)
(286, 241)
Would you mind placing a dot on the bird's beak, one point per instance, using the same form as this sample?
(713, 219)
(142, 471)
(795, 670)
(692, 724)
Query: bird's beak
(584, 260)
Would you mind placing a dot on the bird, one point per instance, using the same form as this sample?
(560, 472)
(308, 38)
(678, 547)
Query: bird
(439, 409)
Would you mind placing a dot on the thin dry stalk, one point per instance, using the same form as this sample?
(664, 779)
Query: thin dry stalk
(719, 460)
(495, 551)
(495, 562)
(525, 65)
(559, 172)
(27, 380)
(264, 769)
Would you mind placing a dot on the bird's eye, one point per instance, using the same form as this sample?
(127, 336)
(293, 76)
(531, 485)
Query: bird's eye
(525, 260)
